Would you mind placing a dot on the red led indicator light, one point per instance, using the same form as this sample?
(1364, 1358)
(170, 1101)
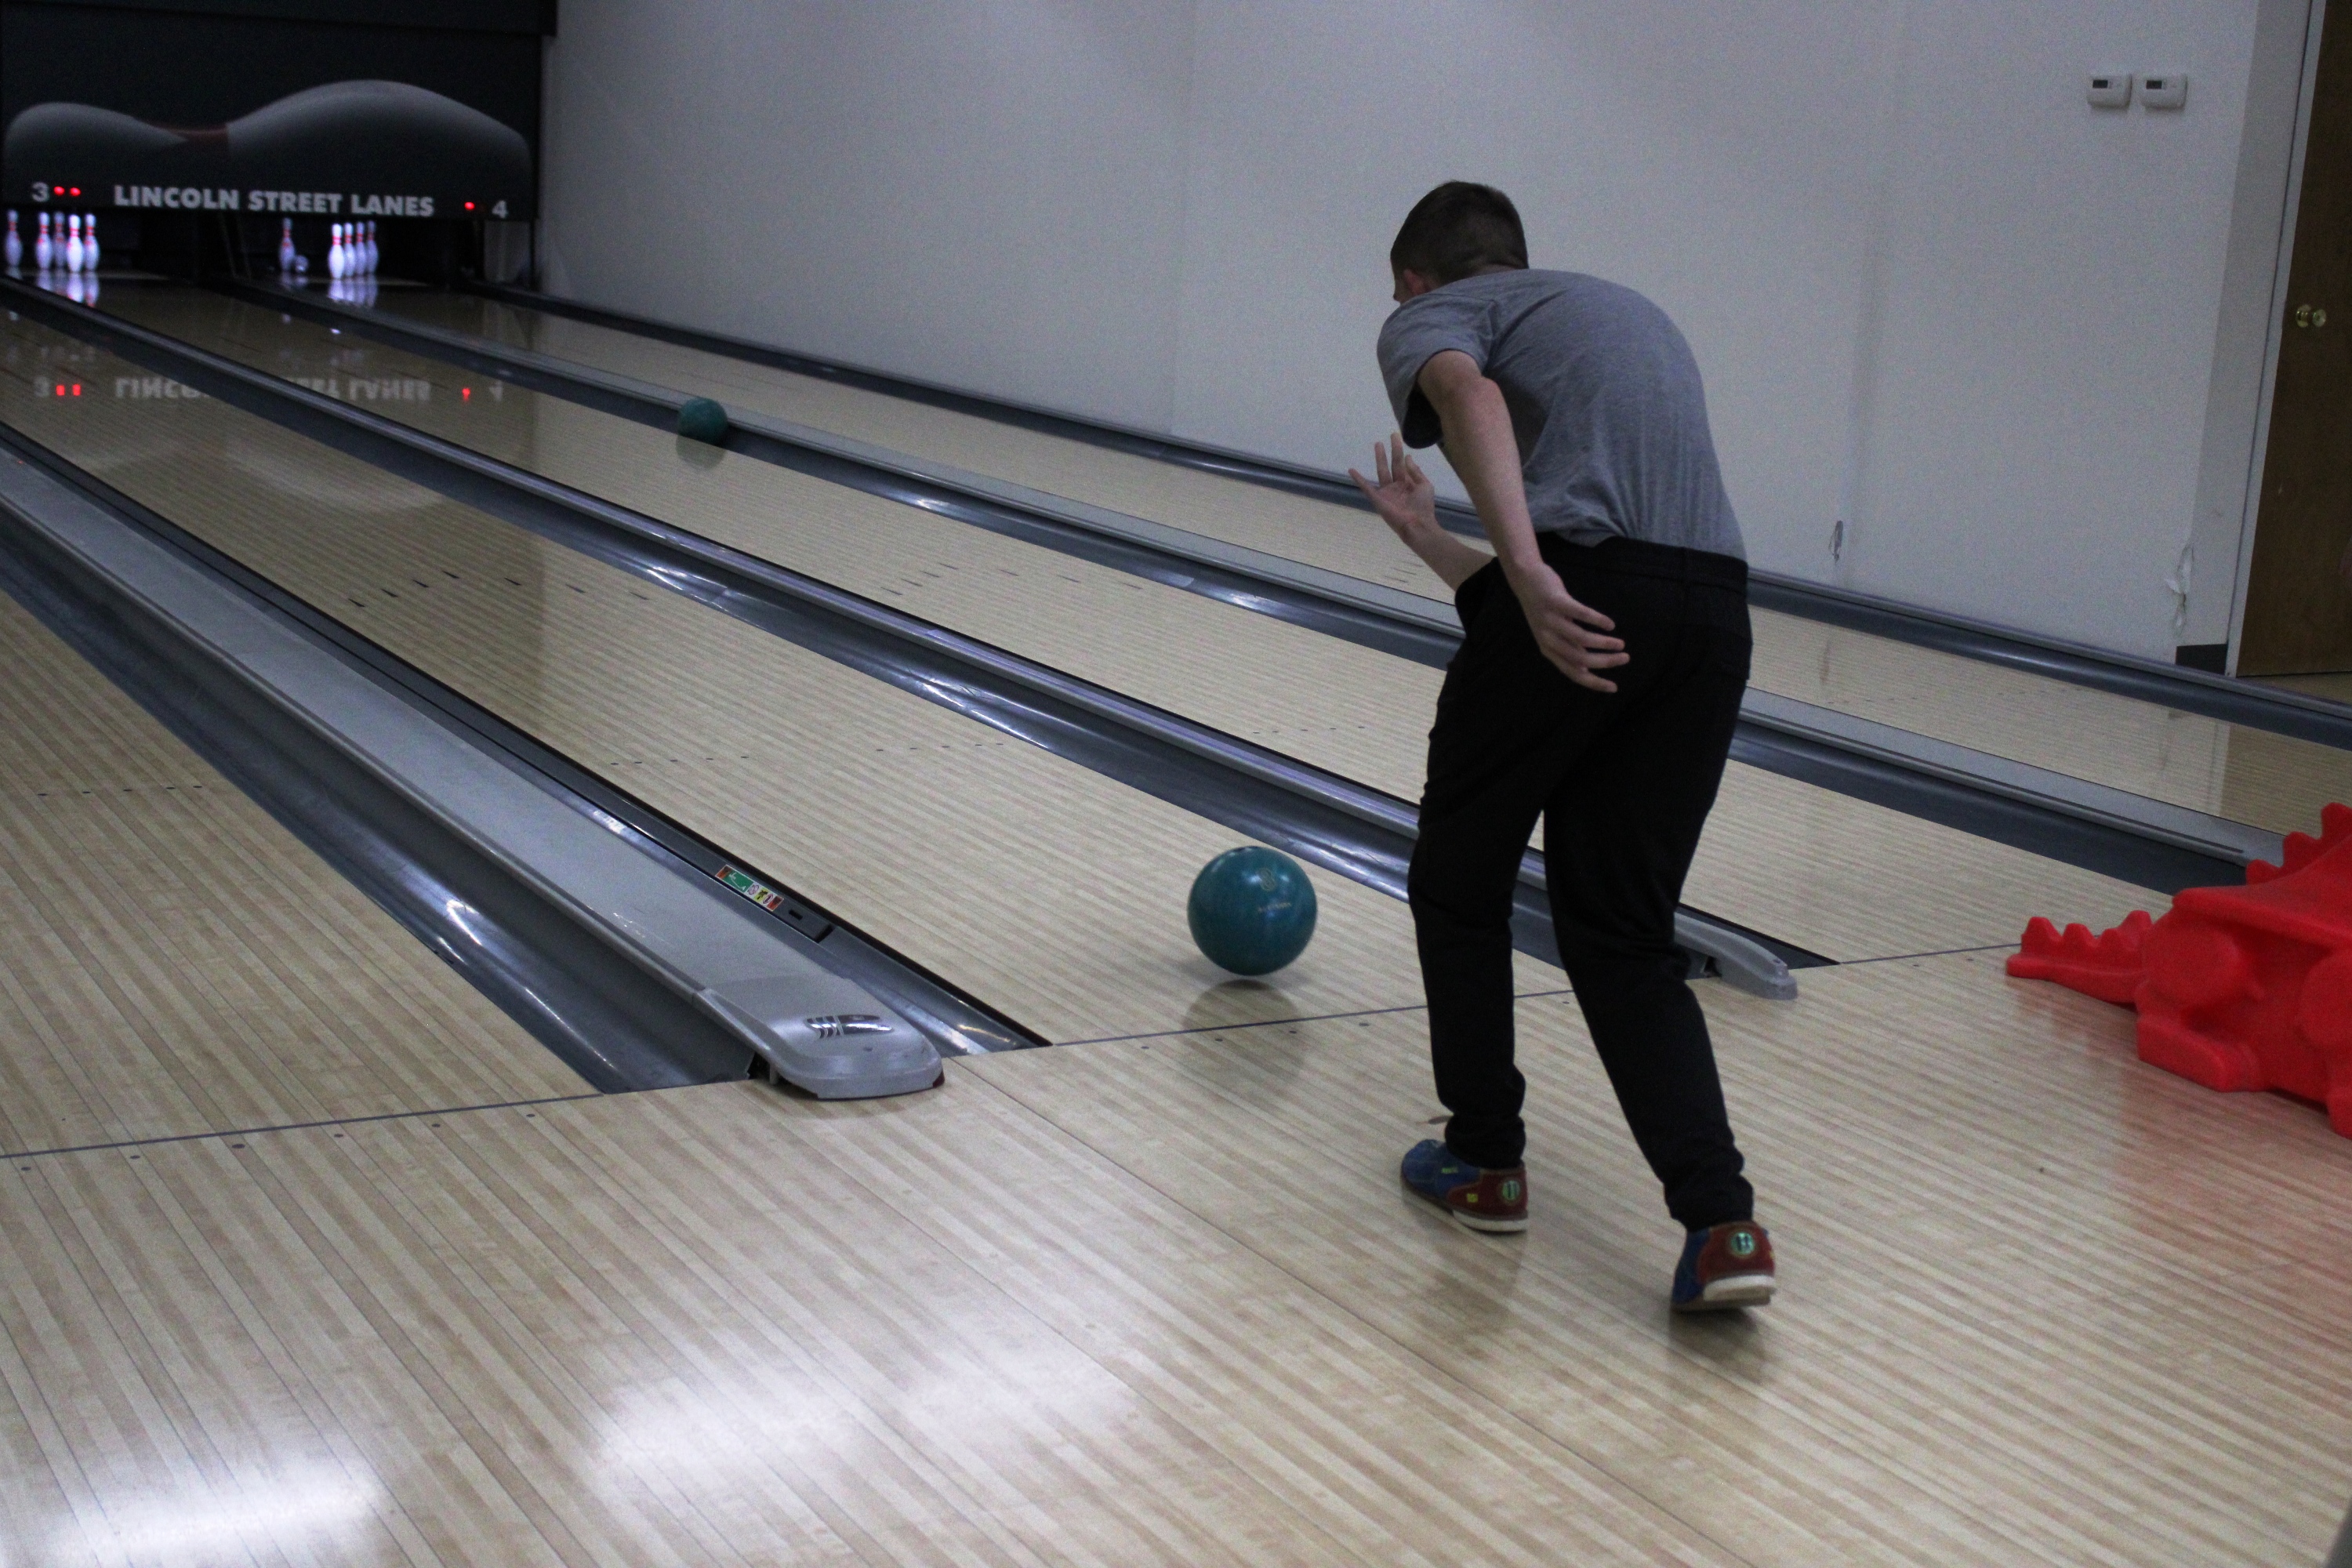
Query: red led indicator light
(77, 389)
(469, 206)
(464, 392)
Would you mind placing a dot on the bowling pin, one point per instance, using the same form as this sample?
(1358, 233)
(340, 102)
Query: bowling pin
(89, 251)
(16, 246)
(73, 242)
(337, 262)
(373, 252)
(286, 245)
(44, 252)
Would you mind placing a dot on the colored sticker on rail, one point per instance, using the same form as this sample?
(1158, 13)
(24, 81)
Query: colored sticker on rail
(751, 888)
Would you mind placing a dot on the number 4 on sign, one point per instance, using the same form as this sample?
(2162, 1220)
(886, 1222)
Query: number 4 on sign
(499, 210)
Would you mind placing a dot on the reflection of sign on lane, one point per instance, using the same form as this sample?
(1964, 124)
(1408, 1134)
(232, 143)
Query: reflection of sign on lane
(128, 388)
(410, 151)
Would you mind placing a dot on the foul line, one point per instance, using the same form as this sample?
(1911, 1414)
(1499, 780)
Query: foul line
(305, 1126)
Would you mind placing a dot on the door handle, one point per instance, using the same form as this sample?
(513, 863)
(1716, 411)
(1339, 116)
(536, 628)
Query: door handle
(2310, 316)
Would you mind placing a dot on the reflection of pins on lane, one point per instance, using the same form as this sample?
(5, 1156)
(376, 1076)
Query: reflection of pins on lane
(286, 245)
(15, 246)
(44, 253)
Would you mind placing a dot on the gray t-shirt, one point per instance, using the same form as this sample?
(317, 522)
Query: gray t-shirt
(1604, 396)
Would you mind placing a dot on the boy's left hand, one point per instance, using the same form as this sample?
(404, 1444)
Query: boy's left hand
(1403, 494)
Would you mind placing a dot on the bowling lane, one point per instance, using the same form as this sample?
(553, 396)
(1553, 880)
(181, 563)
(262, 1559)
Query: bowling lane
(1801, 863)
(2209, 766)
(1048, 890)
(174, 963)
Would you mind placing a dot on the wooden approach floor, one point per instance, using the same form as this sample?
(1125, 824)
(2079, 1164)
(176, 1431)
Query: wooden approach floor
(2249, 776)
(1160, 1301)
(1799, 862)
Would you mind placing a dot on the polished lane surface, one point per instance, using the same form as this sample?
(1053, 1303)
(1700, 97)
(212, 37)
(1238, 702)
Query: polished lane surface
(2245, 774)
(1073, 1310)
(1835, 875)
(1041, 888)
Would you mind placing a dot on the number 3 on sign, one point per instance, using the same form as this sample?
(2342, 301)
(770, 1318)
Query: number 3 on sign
(499, 210)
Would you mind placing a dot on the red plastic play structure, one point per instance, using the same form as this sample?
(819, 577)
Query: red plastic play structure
(2237, 987)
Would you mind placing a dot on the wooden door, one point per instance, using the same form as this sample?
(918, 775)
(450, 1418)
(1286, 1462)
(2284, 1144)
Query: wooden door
(2298, 616)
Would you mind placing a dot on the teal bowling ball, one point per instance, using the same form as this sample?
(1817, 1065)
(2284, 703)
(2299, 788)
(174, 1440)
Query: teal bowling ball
(1252, 911)
(700, 419)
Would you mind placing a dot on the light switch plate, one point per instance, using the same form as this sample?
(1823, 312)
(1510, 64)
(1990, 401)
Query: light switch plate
(2164, 90)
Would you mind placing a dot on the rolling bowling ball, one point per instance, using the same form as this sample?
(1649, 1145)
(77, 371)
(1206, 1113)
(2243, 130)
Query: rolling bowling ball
(700, 419)
(1252, 911)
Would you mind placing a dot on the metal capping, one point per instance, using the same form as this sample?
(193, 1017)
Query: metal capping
(526, 897)
(1955, 785)
(2080, 664)
(1334, 822)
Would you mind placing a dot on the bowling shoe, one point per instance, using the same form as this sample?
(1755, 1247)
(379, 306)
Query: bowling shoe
(1725, 1266)
(1481, 1199)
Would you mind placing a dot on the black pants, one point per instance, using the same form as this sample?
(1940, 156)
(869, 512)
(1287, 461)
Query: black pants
(1624, 783)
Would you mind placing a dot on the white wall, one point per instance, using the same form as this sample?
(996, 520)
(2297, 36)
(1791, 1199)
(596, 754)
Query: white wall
(988, 194)
(1933, 292)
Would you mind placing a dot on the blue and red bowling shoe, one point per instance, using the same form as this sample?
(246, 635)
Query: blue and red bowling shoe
(1494, 1201)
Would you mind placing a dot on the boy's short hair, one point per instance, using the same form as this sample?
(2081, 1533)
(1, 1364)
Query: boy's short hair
(1455, 230)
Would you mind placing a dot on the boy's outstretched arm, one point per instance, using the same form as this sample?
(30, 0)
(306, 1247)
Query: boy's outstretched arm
(1484, 450)
(1407, 502)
